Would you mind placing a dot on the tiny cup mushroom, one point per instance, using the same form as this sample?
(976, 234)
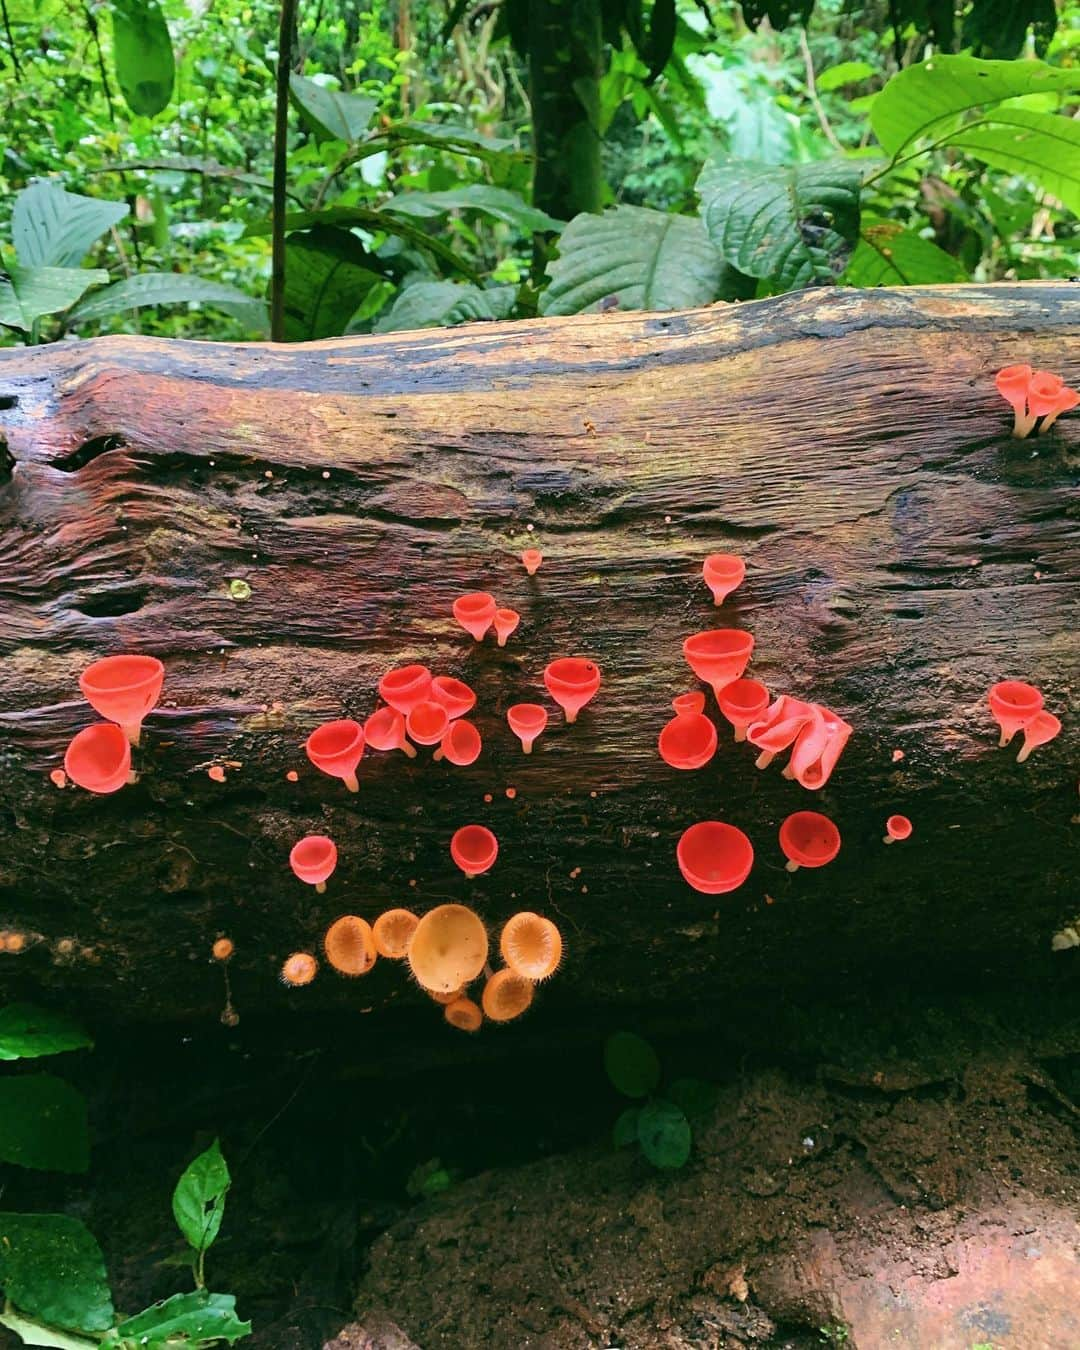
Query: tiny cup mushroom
(463, 1014)
(688, 741)
(527, 721)
(1012, 384)
(505, 621)
(693, 702)
(714, 857)
(474, 848)
(300, 968)
(817, 748)
(1067, 399)
(337, 748)
(506, 996)
(532, 558)
(718, 656)
(426, 724)
(313, 860)
(392, 932)
(223, 949)
(475, 612)
(1043, 393)
(99, 758)
(778, 727)
(572, 682)
(1043, 727)
(454, 695)
(385, 730)
(449, 948)
(723, 572)
(809, 839)
(461, 744)
(531, 946)
(742, 702)
(897, 828)
(349, 945)
(123, 689)
(405, 687)
(1013, 704)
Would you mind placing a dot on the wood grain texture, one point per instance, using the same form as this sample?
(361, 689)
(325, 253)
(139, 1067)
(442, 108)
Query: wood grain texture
(903, 552)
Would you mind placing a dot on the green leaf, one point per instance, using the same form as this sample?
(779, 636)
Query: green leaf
(143, 56)
(328, 273)
(27, 1032)
(693, 1096)
(51, 227)
(429, 304)
(664, 1134)
(158, 288)
(631, 1064)
(795, 224)
(339, 116)
(930, 99)
(847, 72)
(1043, 147)
(29, 293)
(198, 1202)
(889, 255)
(43, 1124)
(188, 1319)
(36, 1333)
(662, 26)
(499, 203)
(626, 1127)
(51, 1267)
(444, 136)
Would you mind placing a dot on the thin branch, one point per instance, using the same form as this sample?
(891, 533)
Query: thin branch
(281, 133)
(11, 41)
(812, 93)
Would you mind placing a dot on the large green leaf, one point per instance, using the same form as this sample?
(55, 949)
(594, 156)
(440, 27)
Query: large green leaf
(27, 1032)
(198, 1201)
(1043, 147)
(158, 288)
(499, 203)
(51, 1268)
(631, 1064)
(930, 100)
(51, 227)
(29, 293)
(795, 224)
(428, 304)
(328, 274)
(664, 1134)
(444, 136)
(37, 1333)
(143, 56)
(184, 1319)
(43, 1124)
(889, 255)
(336, 115)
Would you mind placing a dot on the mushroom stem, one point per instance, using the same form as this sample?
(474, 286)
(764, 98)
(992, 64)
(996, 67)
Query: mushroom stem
(791, 866)
(764, 759)
(1023, 422)
(1006, 737)
(132, 777)
(132, 731)
(740, 733)
(1025, 750)
(438, 753)
(502, 639)
(321, 887)
(350, 782)
(1049, 420)
(408, 748)
(571, 714)
(888, 839)
(787, 771)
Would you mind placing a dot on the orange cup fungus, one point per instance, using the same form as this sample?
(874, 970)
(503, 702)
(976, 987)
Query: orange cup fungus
(454, 695)
(531, 946)
(778, 727)
(337, 748)
(404, 687)
(1013, 705)
(298, 969)
(714, 857)
(223, 949)
(809, 839)
(474, 848)
(99, 758)
(426, 724)
(532, 558)
(897, 828)
(527, 721)
(817, 748)
(448, 950)
(475, 612)
(385, 730)
(349, 945)
(505, 621)
(718, 656)
(506, 996)
(392, 932)
(693, 702)
(1043, 727)
(463, 1014)
(313, 860)
(688, 741)
(572, 682)
(723, 572)
(742, 702)
(461, 744)
(123, 689)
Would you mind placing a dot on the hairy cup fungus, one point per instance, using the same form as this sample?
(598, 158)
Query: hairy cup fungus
(454, 695)
(14, 942)
(505, 621)
(742, 702)
(99, 758)
(527, 721)
(1043, 727)
(1013, 383)
(532, 558)
(449, 948)
(688, 741)
(474, 848)
(1067, 399)
(718, 656)
(349, 945)
(723, 572)
(714, 857)
(817, 748)
(475, 612)
(572, 682)
(444, 999)
(460, 744)
(897, 828)
(405, 687)
(385, 730)
(392, 932)
(809, 839)
(123, 689)
(337, 748)
(313, 859)
(299, 968)
(693, 702)
(426, 724)
(1013, 704)
(506, 996)
(778, 727)
(222, 949)
(463, 1014)
(531, 946)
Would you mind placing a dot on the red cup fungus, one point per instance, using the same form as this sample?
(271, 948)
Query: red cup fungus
(392, 932)
(1043, 727)
(688, 741)
(572, 682)
(505, 621)
(532, 558)
(506, 996)
(1013, 704)
(300, 968)
(426, 724)
(531, 946)
(777, 727)
(693, 702)
(58, 778)
(714, 857)
(349, 945)
(463, 1014)
(723, 572)
(337, 748)
(99, 758)
(1013, 383)
(385, 730)
(405, 687)
(809, 839)
(123, 689)
(475, 612)
(448, 949)
(1067, 399)
(718, 656)
(897, 828)
(474, 848)
(817, 748)
(461, 744)
(527, 721)
(1043, 392)
(313, 860)
(454, 695)
(742, 702)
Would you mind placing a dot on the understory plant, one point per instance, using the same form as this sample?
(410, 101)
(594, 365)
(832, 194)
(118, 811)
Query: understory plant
(659, 1123)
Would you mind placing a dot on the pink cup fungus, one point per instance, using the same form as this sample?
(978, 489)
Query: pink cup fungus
(1067, 399)
(475, 612)
(817, 748)
(426, 724)
(461, 744)
(742, 702)
(527, 721)
(474, 848)
(532, 558)
(216, 773)
(688, 741)
(1013, 704)
(723, 572)
(99, 758)
(572, 682)
(448, 949)
(897, 828)
(718, 656)
(505, 621)
(714, 857)
(337, 748)
(1043, 393)
(299, 969)
(1043, 727)
(809, 839)
(385, 730)
(405, 687)
(313, 859)
(778, 727)
(689, 703)
(454, 695)
(123, 689)
(1013, 383)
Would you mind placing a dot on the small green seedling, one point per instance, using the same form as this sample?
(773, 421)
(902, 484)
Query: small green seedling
(660, 1124)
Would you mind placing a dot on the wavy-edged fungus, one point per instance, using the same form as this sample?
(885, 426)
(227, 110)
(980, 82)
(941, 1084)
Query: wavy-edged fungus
(527, 721)
(392, 932)
(461, 744)
(572, 681)
(349, 945)
(688, 741)
(298, 969)
(448, 950)
(337, 748)
(454, 695)
(1013, 704)
(313, 860)
(742, 702)
(817, 748)
(474, 848)
(719, 655)
(385, 730)
(778, 727)
(475, 613)
(405, 686)
(723, 572)
(714, 857)
(99, 758)
(123, 689)
(693, 702)
(1043, 392)
(1067, 399)
(531, 946)
(426, 724)
(506, 996)
(809, 839)
(223, 949)
(463, 1014)
(1012, 384)
(1043, 727)
(505, 621)
(532, 558)
(897, 828)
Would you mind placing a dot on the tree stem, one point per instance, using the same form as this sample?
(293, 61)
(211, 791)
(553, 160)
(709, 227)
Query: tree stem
(281, 133)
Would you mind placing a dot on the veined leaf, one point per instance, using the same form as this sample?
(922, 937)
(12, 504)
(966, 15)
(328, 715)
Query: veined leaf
(339, 116)
(328, 274)
(664, 1134)
(51, 227)
(30, 1332)
(29, 293)
(430, 304)
(1043, 147)
(157, 288)
(499, 203)
(847, 72)
(199, 1198)
(889, 255)
(185, 1319)
(143, 56)
(51, 1268)
(27, 1032)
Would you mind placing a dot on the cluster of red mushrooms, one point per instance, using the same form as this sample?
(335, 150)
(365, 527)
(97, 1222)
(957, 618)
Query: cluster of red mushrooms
(1033, 394)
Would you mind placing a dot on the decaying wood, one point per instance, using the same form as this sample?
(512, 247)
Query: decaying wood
(903, 552)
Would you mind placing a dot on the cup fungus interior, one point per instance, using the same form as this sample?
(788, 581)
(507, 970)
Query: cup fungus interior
(454, 695)
(463, 1014)
(898, 827)
(337, 747)
(474, 848)
(405, 686)
(448, 949)
(313, 858)
(506, 996)
(350, 946)
(99, 758)
(385, 729)
(461, 743)
(809, 839)
(688, 741)
(715, 857)
(531, 945)
(427, 722)
(743, 700)
(123, 688)
(392, 932)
